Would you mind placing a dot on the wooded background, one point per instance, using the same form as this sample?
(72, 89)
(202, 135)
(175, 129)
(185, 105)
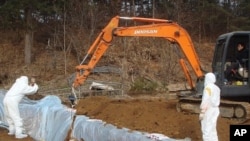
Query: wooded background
(72, 25)
(204, 19)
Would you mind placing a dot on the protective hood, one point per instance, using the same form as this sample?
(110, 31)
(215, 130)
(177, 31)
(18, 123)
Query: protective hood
(210, 78)
(23, 79)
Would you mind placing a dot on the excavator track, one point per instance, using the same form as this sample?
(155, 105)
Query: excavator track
(228, 109)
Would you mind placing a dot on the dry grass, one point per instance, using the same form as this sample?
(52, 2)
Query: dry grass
(152, 59)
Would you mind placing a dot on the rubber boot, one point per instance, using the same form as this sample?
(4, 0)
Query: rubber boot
(20, 134)
(11, 130)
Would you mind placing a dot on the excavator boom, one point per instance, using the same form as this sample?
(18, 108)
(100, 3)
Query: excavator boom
(166, 29)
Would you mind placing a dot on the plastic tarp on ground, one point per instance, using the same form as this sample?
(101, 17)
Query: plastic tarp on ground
(49, 120)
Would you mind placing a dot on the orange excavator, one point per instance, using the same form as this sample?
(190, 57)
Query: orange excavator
(235, 104)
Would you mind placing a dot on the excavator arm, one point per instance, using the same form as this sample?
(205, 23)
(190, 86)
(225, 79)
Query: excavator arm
(166, 29)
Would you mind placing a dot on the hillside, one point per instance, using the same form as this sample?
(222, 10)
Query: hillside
(142, 59)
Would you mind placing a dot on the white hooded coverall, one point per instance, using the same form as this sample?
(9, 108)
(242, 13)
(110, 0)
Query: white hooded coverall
(210, 108)
(11, 100)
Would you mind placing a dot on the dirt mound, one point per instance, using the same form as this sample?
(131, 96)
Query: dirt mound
(149, 114)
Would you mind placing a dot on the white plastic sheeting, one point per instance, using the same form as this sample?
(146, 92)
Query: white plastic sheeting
(44, 120)
(49, 120)
(97, 130)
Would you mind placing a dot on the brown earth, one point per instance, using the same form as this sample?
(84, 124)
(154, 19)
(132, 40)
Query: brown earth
(146, 114)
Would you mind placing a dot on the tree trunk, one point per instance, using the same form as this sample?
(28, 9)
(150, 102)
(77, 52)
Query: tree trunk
(28, 37)
(27, 48)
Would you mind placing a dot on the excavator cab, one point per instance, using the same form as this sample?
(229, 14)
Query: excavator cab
(232, 77)
(232, 73)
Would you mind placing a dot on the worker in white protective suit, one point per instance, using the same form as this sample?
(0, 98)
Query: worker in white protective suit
(210, 108)
(18, 90)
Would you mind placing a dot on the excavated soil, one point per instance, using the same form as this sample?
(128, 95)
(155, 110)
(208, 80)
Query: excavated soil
(146, 114)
